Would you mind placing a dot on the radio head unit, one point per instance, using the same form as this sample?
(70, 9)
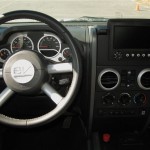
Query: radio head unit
(129, 39)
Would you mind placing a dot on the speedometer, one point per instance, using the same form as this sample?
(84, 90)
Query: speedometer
(21, 42)
(49, 45)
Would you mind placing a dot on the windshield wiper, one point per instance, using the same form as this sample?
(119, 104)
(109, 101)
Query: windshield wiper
(86, 19)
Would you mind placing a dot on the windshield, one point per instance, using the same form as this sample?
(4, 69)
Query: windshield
(71, 9)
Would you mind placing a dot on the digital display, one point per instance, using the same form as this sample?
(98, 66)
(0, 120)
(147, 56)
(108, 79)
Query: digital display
(131, 37)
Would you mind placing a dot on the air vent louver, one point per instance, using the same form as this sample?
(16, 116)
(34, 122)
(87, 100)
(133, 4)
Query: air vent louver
(109, 79)
(144, 79)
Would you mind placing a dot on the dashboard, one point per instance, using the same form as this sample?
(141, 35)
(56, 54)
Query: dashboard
(116, 74)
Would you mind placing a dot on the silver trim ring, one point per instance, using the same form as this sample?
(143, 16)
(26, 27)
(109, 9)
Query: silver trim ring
(139, 78)
(21, 35)
(3, 60)
(105, 71)
(122, 94)
(47, 35)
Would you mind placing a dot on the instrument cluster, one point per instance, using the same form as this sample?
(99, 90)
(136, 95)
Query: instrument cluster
(48, 44)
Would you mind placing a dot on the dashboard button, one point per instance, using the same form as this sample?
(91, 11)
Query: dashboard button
(132, 55)
(129, 72)
(143, 112)
(127, 55)
(138, 55)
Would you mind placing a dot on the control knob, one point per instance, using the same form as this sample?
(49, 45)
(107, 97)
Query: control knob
(108, 99)
(140, 99)
(124, 99)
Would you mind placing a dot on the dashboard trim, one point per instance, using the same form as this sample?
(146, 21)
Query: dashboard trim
(139, 78)
(106, 71)
(17, 35)
(47, 35)
(93, 47)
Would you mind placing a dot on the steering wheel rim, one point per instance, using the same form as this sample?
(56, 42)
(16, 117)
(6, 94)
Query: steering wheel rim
(76, 70)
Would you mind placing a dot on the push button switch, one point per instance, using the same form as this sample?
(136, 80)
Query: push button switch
(106, 137)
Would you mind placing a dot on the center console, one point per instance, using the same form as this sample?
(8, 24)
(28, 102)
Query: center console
(122, 81)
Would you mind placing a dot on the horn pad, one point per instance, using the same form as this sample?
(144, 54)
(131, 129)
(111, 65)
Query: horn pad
(25, 72)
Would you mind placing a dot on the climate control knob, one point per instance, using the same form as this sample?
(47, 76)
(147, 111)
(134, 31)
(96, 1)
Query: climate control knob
(108, 99)
(124, 99)
(140, 99)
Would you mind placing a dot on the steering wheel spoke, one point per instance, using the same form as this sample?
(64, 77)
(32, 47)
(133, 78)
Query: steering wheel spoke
(5, 95)
(52, 93)
(1, 73)
(59, 68)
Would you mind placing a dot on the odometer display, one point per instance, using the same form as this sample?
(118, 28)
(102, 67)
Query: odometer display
(49, 45)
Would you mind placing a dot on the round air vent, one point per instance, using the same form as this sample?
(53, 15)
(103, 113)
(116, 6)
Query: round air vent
(144, 79)
(108, 79)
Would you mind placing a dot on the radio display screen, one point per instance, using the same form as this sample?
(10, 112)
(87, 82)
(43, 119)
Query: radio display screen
(131, 37)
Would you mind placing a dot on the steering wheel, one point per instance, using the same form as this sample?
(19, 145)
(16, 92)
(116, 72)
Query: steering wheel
(27, 72)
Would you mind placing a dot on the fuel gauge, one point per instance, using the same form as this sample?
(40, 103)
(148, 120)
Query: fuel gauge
(4, 53)
(66, 53)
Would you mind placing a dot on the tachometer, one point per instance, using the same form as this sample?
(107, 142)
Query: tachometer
(49, 45)
(21, 42)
